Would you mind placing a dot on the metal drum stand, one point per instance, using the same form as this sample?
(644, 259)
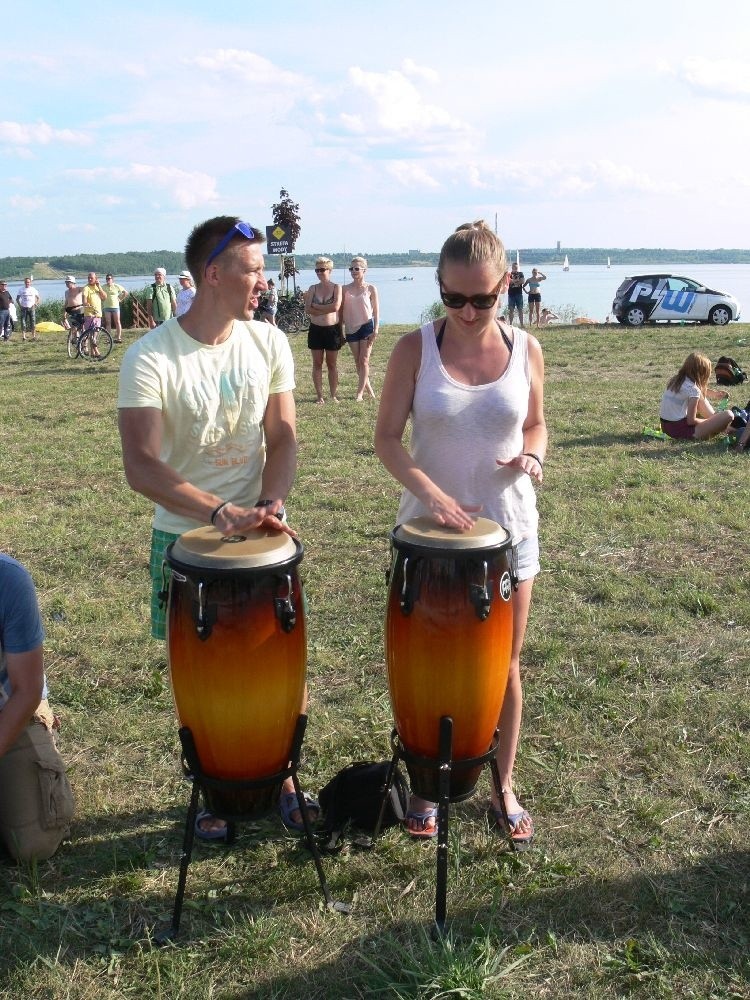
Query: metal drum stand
(204, 782)
(444, 765)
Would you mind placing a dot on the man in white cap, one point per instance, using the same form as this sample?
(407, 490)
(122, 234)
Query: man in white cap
(73, 302)
(160, 300)
(186, 293)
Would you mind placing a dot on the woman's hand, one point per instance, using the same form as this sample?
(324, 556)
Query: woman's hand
(449, 512)
(526, 463)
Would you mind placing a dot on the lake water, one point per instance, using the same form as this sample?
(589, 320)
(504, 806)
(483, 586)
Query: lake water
(589, 288)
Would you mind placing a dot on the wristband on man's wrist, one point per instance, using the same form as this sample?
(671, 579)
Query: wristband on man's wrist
(532, 454)
(215, 513)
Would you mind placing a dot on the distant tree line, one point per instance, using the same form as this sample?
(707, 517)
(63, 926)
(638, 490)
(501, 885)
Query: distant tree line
(134, 263)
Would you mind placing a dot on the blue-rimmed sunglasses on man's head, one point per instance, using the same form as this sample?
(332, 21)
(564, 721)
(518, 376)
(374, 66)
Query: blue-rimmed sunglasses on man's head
(239, 227)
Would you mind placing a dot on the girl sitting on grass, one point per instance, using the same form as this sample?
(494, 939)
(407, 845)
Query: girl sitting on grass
(685, 411)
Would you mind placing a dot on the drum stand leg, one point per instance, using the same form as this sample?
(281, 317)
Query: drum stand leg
(445, 745)
(170, 933)
(299, 733)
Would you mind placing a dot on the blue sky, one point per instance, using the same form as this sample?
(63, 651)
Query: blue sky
(389, 122)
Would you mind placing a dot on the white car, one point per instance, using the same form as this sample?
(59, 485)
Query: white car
(646, 298)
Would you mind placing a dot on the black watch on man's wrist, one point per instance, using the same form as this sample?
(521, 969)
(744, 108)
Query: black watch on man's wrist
(280, 513)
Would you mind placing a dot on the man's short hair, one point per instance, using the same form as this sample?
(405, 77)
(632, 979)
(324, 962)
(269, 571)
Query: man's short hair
(206, 236)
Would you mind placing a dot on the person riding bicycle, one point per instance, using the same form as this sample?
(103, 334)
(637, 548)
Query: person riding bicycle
(73, 306)
(93, 295)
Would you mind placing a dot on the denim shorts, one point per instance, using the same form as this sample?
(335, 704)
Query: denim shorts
(527, 558)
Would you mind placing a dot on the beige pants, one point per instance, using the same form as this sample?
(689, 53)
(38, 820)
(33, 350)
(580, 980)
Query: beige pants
(36, 800)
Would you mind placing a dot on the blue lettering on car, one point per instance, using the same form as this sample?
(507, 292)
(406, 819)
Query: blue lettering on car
(679, 302)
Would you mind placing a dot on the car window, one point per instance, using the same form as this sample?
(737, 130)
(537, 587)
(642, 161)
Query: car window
(681, 285)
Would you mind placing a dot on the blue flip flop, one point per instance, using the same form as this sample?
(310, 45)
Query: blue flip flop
(520, 841)
(287, 805)
(210, 835)
(421, 817)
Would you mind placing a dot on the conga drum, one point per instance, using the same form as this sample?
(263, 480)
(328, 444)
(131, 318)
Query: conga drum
(449, 631)
(237, 652)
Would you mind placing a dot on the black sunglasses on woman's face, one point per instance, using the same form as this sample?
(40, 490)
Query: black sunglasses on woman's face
(484, 300)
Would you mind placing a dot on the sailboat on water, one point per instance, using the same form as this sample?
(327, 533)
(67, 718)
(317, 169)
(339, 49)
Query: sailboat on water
(608, 262)
(566, 264)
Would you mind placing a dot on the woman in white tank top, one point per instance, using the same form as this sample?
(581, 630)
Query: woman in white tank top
(473, 389)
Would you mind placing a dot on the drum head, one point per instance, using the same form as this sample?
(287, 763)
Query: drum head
(207, 548)
(423, 531)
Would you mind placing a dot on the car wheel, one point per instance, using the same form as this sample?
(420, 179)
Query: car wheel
(720, 316)
(635, 316)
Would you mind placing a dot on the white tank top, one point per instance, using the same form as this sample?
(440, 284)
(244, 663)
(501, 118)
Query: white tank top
(459, 430)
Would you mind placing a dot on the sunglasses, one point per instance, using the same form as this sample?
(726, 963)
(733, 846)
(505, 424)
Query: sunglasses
(355, 268)
(239, 227)
(454, 300)
(321, 270)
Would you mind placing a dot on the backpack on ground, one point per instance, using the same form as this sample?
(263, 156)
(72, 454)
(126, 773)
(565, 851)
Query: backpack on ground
(728, 372)
(353, 798)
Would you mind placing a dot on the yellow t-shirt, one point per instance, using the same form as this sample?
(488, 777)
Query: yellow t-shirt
(92, 301)
(213, 400)
(112, 295)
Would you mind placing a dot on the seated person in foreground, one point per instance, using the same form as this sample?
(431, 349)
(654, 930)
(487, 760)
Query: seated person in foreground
(36, 800)
(685, 411)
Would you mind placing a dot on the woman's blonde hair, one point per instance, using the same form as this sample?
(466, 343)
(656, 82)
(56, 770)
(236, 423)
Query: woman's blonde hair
(324, 262)
(696, 367)
(358, 260)
(474, 243)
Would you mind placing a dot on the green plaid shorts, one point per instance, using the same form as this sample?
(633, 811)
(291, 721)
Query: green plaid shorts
(160, 575)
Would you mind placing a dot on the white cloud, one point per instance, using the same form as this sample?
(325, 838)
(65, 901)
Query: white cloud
(27, 203)
(38, 133)
(411, 175)
(397, 105)
(189, 189)
(560, 178)
(247, 66)
(391, 108)
(717, 78)
(76, 227)
(410, 68)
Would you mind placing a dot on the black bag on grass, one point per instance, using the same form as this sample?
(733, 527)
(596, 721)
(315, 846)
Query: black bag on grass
(728, 372)
(353, 798)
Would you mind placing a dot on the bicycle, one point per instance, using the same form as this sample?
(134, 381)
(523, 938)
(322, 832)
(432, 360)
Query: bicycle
(93, 344)
(291, 313)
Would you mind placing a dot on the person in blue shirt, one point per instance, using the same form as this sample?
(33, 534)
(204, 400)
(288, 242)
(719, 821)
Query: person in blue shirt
(36, 800)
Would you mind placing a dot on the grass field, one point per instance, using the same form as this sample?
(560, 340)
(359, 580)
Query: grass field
(635, 751)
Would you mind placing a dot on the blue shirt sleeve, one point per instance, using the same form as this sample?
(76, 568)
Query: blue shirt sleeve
(20, 621)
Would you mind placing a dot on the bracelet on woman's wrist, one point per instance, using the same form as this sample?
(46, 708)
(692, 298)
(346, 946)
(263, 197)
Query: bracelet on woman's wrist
(215, 513)
(532, 454)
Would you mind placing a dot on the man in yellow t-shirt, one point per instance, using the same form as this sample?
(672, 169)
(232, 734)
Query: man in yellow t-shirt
(92, 296)
(207, 414)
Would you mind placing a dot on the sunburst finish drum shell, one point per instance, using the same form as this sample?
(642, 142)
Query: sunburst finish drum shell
(444, 658)
(237, 652)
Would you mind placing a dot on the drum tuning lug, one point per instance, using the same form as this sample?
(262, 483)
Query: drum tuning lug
(407, 590)
(480, 599)
(204, 614)
(479, 596)
(285, 610)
